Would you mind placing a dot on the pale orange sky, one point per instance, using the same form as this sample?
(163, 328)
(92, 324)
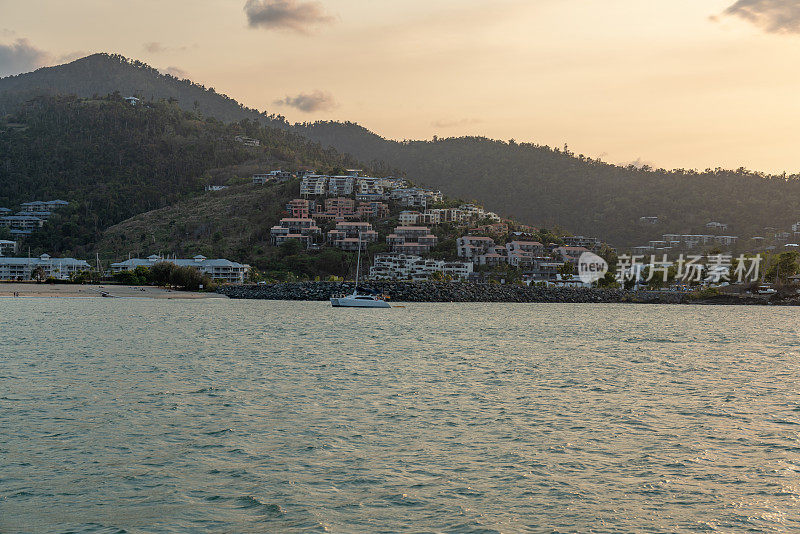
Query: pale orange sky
(674, 83)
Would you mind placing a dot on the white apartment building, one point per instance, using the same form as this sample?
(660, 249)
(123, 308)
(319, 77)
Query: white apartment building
(409, 217)
(470, 247)
(58, 268)
(394, 266)
(22, 224)
(341, 186)
(7, 248)
(313, 185)
(219, 269)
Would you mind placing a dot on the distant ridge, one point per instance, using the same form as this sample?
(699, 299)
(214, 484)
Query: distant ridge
(536, 184)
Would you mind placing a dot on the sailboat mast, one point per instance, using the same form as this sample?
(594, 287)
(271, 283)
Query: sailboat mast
(358, 264)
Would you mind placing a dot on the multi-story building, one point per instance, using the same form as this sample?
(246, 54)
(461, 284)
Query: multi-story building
(304, 230)
(591, 243)
(340, 207)
(38, 206)
(272, 176)
(22, 224)
(470, 247)
(409, 217)
(313, 185)
(24, 268)
(372, 209)
(219, 269)
(301, 208)
(570, 254)
(398, 266)
(7, 248)
(341, 186)
(416, 197)
(346, 235)
(367, 187)
(411, 240)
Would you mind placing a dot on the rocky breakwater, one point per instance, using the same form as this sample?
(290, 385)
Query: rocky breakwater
(451, 292)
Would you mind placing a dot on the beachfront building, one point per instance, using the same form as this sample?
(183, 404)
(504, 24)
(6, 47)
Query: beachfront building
(304, 230)
(7, 248)
(346, 235)
(411, 240)
(398, 266)
(27, 268)
(220, 269)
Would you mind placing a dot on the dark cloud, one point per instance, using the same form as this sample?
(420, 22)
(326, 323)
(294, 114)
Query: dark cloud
(21, 56)
(175, 71)
(453, 123)
(315, 101)
(285, 15)
(774, 16)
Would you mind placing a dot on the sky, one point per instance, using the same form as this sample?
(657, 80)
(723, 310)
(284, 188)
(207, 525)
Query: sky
(668, 83)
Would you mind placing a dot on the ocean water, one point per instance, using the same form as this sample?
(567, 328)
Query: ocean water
(254, 416)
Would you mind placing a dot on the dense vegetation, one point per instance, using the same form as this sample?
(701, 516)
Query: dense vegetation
(540, 185)
(112, 160)
(536, 184)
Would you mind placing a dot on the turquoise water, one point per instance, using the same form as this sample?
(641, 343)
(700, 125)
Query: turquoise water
(253, 416)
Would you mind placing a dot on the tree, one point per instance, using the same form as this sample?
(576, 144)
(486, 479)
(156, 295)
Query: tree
(38, 274)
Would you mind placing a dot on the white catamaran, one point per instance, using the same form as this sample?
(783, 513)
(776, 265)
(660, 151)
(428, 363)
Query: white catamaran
(355, 300)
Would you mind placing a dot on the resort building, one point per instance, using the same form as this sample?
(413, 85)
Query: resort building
(471, 247)
(301, 229)
(25, 268)
(397, 266)
(39, 206)
(341, 186)
(7, 248)
(346, 235)
(313, 185)
(411, 240)
(22, 224)
(301, 208)
(569, 254)
(219, 269)
(372, 209)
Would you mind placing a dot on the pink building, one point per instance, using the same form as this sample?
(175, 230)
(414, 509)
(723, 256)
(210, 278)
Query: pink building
(411, 239)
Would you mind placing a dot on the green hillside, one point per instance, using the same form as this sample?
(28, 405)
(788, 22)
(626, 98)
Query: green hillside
(112, 160)
(537, 184)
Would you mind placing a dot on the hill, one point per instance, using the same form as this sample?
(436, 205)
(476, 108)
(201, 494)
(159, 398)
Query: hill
(547, 186)
(112, 160)
(103, 74)
(536, 184)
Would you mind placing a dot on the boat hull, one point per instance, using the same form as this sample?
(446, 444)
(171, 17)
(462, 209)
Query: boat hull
(350, 302)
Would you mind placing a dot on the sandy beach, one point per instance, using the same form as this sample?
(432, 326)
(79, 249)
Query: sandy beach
(28, 290)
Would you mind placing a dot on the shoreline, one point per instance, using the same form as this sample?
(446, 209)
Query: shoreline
(45, 290)
(469, 292)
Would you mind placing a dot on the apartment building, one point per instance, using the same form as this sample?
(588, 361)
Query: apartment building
(219, 269)
(272, 176)
(302, 229)
(398, 266)
(411, 240)
(346, 235)
(7, 248)
(313, 185)
(58, 268)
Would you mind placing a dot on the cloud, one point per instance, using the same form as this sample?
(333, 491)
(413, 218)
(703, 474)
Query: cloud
(154, 47)
(315, 101)
(175, 71)
(21, 56)
(292, 15)
(453, 123)
(773, 16)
